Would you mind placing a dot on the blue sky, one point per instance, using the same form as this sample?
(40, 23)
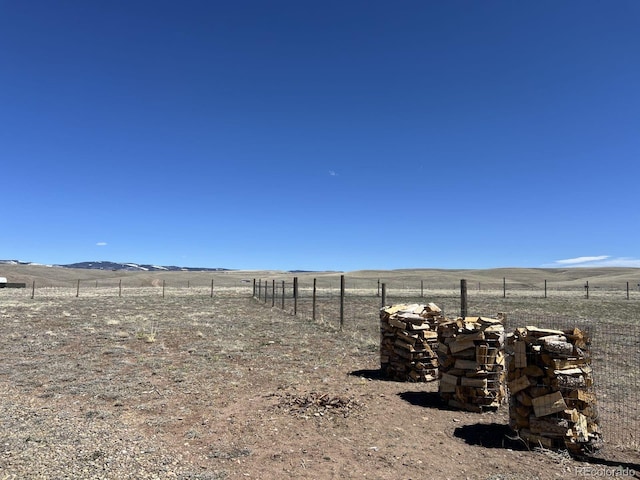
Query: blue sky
(317, 135)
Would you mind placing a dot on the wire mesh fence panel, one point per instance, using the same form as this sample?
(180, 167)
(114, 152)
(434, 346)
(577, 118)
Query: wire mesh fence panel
(616, 363)
(609, 322)
(615, 359)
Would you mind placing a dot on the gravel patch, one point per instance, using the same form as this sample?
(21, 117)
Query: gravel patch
(41, 440)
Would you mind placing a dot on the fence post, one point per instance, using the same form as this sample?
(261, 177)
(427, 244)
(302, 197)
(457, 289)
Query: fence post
(120, 288)
(378, 294)
(421, 288)
(627, 290)
(463, 298)
(211, 295)
(282, 294)
(313, 303)
(545, 289)
(341, 301)
(78, 289)
(273, 293)
(33, 289)
(586, 287)
(504, 287)
(266, 291)
(254, 287)
(295, 296)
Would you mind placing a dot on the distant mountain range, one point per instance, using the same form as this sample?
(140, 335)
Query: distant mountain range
(115, 266)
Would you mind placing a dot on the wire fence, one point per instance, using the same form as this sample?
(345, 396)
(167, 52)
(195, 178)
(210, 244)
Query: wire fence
(615, 359)
(609, 317)
(159, 288)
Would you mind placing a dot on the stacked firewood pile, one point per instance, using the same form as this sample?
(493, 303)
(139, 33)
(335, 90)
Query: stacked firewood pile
(408, 340)
(550, 382)
(472, 363)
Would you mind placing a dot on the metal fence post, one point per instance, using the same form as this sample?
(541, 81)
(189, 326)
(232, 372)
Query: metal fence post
(341, 301)
(463, 298)
(313, 307)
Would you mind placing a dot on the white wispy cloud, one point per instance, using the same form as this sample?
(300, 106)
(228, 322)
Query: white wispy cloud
(596, 261)
(620, 262)
(579, 260)
(332, 173)
(101, 244)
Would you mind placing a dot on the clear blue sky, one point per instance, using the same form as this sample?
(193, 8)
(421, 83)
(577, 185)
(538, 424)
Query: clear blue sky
(318, 135)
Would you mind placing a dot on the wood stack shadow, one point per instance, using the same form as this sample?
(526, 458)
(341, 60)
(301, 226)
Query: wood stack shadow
(497, 435)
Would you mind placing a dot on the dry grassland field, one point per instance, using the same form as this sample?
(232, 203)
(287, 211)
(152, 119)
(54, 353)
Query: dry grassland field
(190, 385)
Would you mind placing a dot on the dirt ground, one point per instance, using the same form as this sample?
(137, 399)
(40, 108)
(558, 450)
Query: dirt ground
(193, 387)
